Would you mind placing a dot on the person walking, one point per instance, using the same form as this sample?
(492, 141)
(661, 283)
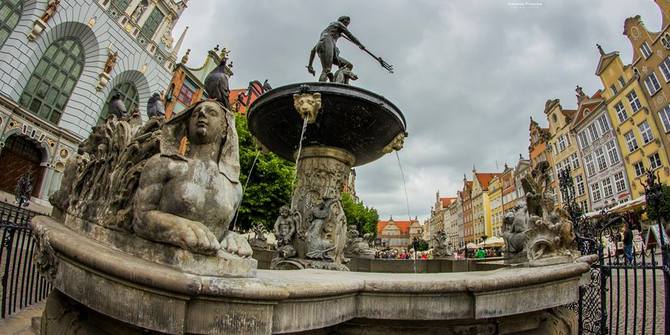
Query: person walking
(628, 243)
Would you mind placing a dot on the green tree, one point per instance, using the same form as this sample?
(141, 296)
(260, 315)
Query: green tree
(421, 244)
(269, 186)
(365, 218)
(664, 208)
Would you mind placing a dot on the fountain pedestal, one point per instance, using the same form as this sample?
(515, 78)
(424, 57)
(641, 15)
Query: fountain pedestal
(342, 127)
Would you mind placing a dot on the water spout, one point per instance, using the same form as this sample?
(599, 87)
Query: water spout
(404, 186)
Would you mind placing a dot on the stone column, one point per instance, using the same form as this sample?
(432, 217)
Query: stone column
(322, 172)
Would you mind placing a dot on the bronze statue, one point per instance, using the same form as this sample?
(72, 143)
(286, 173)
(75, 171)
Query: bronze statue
(329, 54)
(50, 10)
(111, 61)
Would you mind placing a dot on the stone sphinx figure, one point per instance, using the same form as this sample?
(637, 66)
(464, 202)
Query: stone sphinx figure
(357, 245)
(131, 187)
(188, 200)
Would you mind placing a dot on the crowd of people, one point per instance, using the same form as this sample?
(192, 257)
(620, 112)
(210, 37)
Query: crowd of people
(403, 254)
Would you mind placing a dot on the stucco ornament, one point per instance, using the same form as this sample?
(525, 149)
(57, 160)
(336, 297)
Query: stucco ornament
(550, 233)
(307, 105)
(396, 144)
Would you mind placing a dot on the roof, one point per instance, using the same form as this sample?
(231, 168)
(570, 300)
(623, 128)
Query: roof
(605, 60)
(402, 225)
(591, 104)
(446, 201)
(485, 178)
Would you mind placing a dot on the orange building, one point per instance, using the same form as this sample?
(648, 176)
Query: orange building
(539, 150)
(395, 234)
(466, 196)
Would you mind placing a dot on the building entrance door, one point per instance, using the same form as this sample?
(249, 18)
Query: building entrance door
(19, 156)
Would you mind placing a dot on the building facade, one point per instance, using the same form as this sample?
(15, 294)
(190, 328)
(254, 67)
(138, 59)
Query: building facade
(509, 195)
(395, 234)
(539, 149)
(495, 197)
(466, 196)
(521, 170)
(565, 151)
(603, 164)
(481, 205)
(61, 62)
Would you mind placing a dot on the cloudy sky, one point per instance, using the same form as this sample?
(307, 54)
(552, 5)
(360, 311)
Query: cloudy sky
(469, 74)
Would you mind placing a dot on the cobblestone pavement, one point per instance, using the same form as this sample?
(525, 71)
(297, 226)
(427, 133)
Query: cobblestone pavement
(625, 288)
(21, 322)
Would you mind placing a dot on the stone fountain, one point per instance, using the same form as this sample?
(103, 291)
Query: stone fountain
(139, 241)
(344, 127)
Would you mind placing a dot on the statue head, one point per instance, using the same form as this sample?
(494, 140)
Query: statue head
(345, 20)
(207, 123)
(204, 122)
(283, 211)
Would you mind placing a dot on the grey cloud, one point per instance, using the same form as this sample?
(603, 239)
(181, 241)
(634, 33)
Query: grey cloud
(468, 73)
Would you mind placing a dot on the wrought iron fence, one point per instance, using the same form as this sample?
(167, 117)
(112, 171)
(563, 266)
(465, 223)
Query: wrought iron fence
(22, 284)
(625, 294)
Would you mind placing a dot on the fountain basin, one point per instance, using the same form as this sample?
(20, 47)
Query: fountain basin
(126, 294)
(351, 118)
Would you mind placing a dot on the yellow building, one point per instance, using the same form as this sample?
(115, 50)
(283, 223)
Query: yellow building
(639, 135)
(566, 153)
(495, 197)
(481, 205)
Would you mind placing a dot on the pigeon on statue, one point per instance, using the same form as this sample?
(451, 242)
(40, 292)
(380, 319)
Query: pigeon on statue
(216, 84)
(116, 107)
(155, 106)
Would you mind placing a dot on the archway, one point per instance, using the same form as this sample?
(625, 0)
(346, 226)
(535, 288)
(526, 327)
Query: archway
(19, 156)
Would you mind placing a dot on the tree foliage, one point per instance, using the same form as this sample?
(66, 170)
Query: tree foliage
(269, 185)
(664, 207)
(421, 245)
(365, 218)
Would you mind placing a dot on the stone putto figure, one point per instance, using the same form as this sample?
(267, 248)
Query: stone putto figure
(318, 246)
(110, 62)
(284, 230)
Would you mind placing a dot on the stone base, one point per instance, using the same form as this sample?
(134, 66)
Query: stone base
(223, 264)
(516, 259)
(300, 264)
(551, 260)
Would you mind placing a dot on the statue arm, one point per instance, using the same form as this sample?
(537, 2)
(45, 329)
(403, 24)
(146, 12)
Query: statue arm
(350, 36)
(153, 224)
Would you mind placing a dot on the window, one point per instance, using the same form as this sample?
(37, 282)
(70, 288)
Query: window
(603, 123)
(593, 131)
(607, 187)
(622, 81)
(646, 133)
(665, 40)
(590, 168)
(614, 90)
(612, 152)
(619, 182)
(584, 205)
(579, 181)
(646, 51)
(620, 112)
(10, 12)
(561, 143)
(128, 93)
(121, 5)
(152, 23)
(595, 191)
(665, 68)
(186, 92)
(631, 141)
(654, 161)
(55, 76)
(600, 158)
(575, 161)
(633, 101)
(639, 168)
(583, 139)
(652, 84)
(664, 114)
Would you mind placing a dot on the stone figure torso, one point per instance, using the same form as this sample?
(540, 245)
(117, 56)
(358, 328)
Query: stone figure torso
(197, 191)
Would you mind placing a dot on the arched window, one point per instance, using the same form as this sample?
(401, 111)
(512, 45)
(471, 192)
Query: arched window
(53, 80)
(10, 12)
(128, 93)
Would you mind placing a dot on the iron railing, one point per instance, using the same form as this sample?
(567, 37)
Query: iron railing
(22, 284)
